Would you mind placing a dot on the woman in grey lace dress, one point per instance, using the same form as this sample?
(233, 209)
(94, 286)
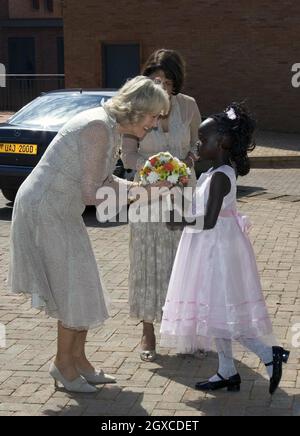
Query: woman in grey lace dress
(51, 254)
(152, 245)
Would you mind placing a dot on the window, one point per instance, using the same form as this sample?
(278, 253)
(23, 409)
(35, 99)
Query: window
(120, 62)
(36, 4)
(60, 56)
(49, 5)
(21, 54)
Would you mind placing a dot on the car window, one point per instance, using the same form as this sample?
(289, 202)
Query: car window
(53, 111)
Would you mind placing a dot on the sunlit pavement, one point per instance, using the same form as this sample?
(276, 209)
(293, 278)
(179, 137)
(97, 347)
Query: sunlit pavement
(166, 386)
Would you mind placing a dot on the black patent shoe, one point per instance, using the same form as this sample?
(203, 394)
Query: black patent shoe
(280, 356)
(233, 384)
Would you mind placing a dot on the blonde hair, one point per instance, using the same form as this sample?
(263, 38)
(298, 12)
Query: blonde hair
(138, 97)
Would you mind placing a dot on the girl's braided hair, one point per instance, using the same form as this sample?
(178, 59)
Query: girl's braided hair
(237, 122)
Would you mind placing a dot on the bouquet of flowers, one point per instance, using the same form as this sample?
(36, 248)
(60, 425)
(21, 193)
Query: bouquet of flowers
(165, 167)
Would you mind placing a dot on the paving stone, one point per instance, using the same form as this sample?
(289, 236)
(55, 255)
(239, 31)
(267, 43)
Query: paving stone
(164, 387)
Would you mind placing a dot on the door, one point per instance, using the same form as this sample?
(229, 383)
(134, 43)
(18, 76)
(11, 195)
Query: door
(21, 55)
(120, 63)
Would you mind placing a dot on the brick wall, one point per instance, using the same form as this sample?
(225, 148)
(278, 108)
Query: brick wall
(3, 16)
(45, 45)
(45, 38)
(3, 9)
(24, 9)
(234, 49)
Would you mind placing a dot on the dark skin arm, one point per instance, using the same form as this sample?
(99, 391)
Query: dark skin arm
(220, 187)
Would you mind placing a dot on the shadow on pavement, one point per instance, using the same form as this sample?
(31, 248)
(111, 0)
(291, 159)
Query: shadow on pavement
(6, 211)
(245, 191)
(109, 401)
(278, 140)
(253, 399)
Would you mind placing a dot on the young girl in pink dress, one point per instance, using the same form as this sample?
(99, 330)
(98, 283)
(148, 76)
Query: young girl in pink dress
(215, 295)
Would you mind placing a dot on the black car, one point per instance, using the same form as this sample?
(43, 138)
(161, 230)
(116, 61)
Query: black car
(25, 137)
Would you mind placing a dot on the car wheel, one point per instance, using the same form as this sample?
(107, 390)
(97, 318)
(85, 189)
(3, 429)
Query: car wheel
(10, 195)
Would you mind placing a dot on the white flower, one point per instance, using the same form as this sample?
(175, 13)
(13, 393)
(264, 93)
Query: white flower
(148, 164)
(144, 181)
(188, 171)
(165, 157)
(153, 178)
(173, 179)
(231, 114)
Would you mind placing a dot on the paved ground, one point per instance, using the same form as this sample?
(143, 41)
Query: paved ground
(274, 144)
(164, 387)
(4, 116)
(274, 181)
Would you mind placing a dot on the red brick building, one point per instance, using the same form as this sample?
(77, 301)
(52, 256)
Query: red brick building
(31, 43)
(234, 49)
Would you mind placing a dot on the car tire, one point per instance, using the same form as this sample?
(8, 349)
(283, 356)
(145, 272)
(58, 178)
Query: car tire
(9, 194)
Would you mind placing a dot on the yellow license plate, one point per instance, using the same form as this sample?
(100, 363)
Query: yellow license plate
(30, 149)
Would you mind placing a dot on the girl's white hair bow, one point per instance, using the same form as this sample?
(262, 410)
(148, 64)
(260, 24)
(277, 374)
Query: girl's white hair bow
(231, 114)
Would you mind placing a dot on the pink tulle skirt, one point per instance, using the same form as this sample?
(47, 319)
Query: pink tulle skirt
(215, 290)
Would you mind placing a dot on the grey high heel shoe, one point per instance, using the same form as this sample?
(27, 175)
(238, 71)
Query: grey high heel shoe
(148, 356)
(79, 385)
(97, 377)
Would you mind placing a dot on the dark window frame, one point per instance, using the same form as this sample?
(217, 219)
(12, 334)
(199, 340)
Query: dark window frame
(36, 4)
(20, 38)
(60, 66)
(103, 59)
(49, 5)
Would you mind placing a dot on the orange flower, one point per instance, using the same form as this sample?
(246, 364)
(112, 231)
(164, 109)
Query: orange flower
(169, 167)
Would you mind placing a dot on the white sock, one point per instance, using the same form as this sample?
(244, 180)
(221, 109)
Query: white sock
(227, 367)
(264, 352)
(270, 370)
